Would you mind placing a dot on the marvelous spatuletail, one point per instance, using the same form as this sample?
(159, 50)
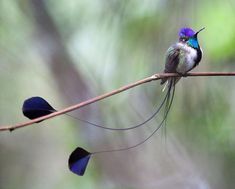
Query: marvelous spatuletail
(184, 55)
(181, 57)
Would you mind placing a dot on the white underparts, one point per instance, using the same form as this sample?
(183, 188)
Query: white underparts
(188, 62)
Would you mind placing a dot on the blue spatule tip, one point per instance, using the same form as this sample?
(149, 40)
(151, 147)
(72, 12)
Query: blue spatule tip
(78, 161)
(36, 107)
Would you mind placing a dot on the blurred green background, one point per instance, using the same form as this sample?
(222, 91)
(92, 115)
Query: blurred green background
(68, 51)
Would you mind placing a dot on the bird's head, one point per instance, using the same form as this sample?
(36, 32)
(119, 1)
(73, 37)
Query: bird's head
(188, 36)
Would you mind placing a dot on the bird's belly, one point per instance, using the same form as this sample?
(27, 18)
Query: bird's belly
(187, 63)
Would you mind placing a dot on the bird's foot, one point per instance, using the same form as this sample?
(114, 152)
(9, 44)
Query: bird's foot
(182, 74)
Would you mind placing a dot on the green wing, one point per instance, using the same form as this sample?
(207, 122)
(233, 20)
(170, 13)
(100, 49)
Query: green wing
(174, 56)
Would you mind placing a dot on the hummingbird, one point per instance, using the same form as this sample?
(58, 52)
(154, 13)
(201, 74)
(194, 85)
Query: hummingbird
(184, 55)
(181, 57)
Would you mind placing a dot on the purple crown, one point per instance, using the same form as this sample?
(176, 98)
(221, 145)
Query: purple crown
(186, 32)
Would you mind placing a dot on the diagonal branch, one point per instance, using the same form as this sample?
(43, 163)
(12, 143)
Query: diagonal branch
(154, 77)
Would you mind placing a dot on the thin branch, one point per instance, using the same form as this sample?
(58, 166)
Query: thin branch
(154, 77)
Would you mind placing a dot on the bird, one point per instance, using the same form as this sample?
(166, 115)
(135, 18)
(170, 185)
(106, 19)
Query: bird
(184, 55)
(181, 57)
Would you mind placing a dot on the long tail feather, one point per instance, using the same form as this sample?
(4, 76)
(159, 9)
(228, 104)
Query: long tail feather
(128, 128)
(110, 128)
(167, 107)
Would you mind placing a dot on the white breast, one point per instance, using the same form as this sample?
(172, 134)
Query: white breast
(188, 62)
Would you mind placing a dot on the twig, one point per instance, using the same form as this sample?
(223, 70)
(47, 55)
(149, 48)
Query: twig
(106, 95)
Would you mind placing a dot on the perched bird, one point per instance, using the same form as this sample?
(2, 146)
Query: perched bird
(184, 55)
(180, 58)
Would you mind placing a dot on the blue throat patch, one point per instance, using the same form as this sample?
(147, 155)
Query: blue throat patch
(193, 43)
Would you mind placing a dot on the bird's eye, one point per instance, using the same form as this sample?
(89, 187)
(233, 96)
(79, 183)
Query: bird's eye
(184, 39)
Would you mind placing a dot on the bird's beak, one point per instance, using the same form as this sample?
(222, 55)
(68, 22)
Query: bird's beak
(199, 31)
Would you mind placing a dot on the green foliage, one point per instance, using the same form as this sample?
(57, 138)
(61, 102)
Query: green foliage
(219, 20)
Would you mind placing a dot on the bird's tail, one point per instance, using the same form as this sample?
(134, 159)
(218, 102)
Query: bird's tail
(169, 82)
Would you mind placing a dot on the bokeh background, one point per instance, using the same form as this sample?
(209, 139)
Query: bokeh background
(68, 51)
